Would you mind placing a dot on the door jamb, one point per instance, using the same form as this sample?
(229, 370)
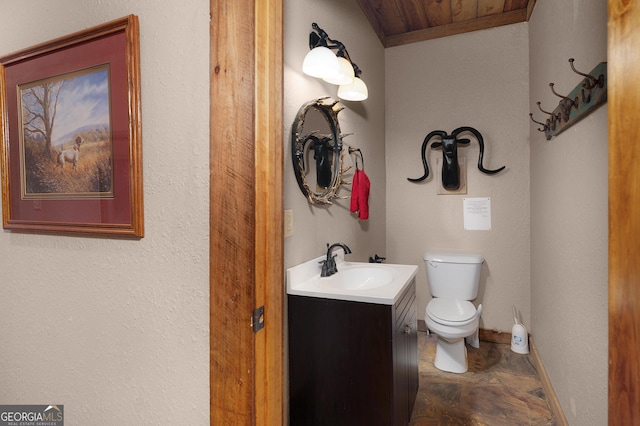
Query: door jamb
(246, 235)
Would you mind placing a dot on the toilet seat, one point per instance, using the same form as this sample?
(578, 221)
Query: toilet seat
(451, 312)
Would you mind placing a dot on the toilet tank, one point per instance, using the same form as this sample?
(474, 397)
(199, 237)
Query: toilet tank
(453, 275)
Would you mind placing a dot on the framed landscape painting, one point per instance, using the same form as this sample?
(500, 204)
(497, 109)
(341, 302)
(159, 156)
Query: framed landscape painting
(71, 135)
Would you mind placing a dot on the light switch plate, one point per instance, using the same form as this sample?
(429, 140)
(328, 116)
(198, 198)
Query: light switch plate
(288, 223)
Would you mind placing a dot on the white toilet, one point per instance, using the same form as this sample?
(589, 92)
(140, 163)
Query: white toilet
(453, 281)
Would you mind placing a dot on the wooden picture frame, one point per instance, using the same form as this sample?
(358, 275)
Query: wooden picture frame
(71, 152)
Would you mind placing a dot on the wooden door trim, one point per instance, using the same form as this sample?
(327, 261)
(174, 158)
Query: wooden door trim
(624, 212)
(269, 238)
(246, 241)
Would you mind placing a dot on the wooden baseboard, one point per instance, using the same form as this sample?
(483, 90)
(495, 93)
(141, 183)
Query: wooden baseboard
(495, 336)
(498, 336)
(552, 399)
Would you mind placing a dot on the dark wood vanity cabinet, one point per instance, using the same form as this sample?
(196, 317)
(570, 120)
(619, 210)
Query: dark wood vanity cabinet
(352, 363)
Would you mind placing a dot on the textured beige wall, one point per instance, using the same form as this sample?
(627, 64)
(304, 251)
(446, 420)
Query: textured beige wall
(314, 226)
(569, 213)
(480, 80)
(115, 330)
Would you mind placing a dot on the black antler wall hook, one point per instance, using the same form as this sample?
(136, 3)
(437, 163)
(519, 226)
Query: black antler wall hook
(450, 165)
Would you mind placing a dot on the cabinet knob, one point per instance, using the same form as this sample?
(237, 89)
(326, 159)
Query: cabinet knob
(407, 329)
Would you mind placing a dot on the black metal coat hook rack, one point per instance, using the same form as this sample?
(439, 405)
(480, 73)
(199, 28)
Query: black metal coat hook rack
(585, 98)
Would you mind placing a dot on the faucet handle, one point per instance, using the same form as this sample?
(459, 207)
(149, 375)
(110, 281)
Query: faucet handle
(325, 268)
(333, 266)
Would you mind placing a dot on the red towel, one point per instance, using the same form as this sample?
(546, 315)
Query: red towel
(355, 188)
(360, 194)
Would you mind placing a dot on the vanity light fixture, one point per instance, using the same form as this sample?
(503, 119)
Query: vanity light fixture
(356, 91)
(321, 62)
(336, 68)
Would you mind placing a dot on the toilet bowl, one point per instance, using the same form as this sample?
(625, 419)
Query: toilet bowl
(452, 330)
(453, 281)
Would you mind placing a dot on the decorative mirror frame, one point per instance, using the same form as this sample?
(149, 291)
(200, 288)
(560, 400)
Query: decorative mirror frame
(329, 108)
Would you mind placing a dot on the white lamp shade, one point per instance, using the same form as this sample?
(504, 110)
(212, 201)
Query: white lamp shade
(346, 74)
(321, 62)
(356, 91)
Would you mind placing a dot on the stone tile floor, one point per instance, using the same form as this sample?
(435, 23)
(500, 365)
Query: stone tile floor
(500, 388)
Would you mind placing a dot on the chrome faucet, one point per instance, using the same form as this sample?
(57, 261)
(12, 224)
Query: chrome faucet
(329, 264)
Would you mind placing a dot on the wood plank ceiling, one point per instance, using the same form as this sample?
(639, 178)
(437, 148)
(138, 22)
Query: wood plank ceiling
(398, 22)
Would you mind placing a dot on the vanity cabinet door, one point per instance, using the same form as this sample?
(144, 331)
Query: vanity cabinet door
(340, 363)
(405, 344)
(412, 357)
(352, 363)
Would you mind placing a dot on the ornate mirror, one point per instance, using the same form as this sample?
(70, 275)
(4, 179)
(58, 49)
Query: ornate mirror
(316, 150)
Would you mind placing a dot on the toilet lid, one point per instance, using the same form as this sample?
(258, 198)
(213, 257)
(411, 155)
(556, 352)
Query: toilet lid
(451, 311)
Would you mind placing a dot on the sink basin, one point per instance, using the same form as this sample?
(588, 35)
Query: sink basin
(354, 281)
(359, 278)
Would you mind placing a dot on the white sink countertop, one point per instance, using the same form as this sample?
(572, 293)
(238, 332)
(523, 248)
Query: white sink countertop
(380, 283)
